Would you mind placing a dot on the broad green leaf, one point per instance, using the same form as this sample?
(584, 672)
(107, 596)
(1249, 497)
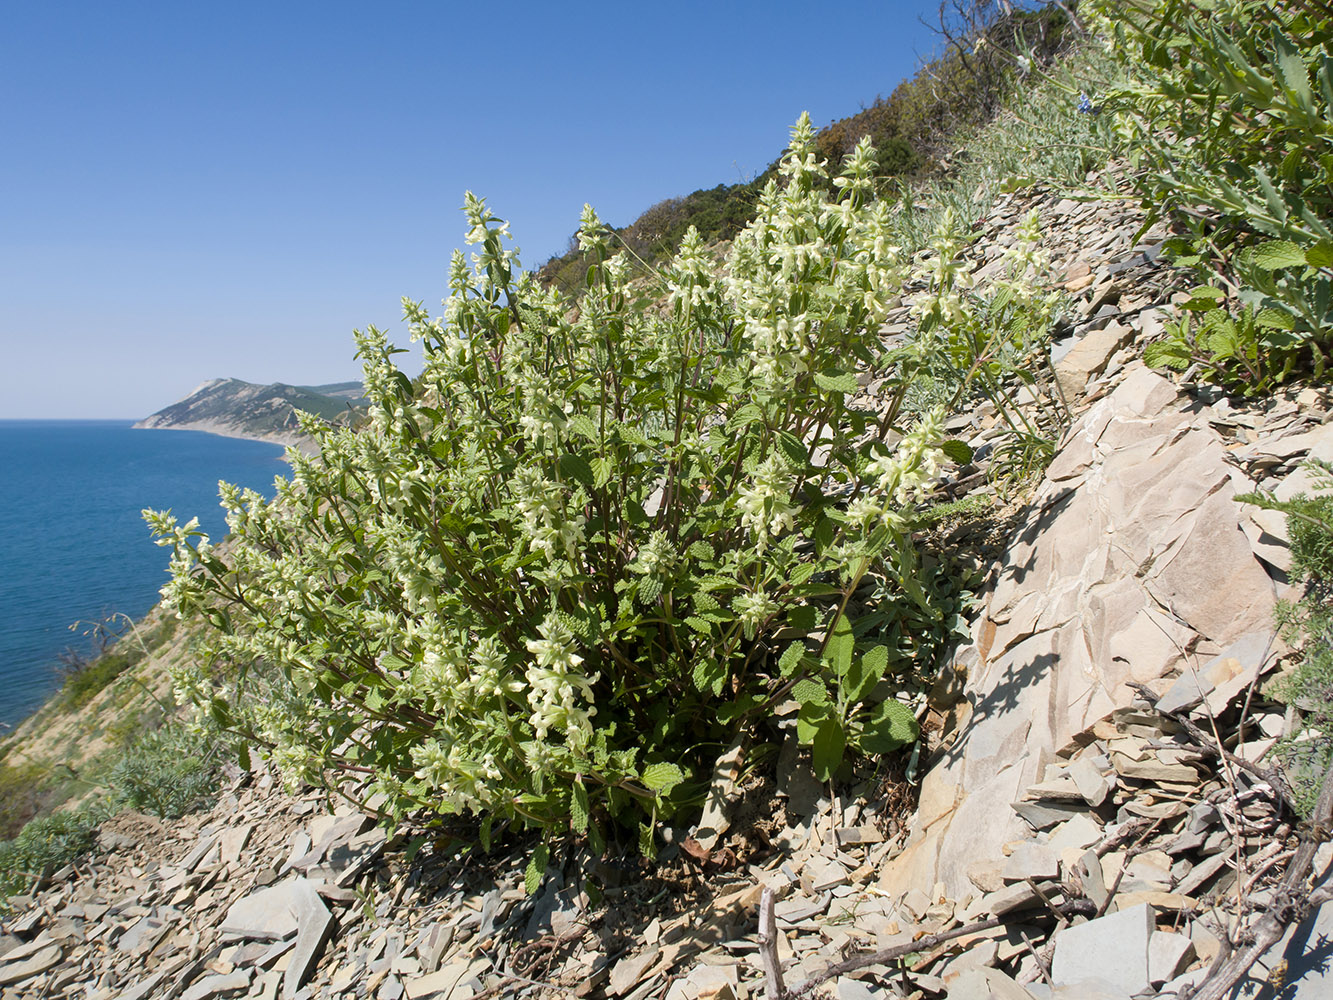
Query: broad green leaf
(1320, 255)
(1204, 297)
(809, 691)
(891, 726)
(578, 808)
(1278, 253)
(803, 618)
(958, 451)
(791, 659)
(582, 425)
(532, 874)
(662, 777)
(836, 381)
(709, 674)
(827, 748)
(700, 625)
(865, 674)
(576, 467)
(792, 447)
(840, 646)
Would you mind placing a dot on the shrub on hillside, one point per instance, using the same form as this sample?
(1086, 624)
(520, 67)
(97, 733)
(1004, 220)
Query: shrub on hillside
(168, 772)
(46, 844)
(554, 577)
(1227, 111)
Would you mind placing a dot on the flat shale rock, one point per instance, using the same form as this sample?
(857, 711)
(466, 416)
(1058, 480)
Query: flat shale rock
(1135, 516)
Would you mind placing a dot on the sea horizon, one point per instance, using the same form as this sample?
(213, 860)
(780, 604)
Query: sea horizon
(73, 544)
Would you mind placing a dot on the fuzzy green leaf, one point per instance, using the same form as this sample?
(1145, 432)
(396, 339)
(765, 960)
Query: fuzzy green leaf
(791, 658)
(1166, 354)
(1276, 254)
(582, 425)
(827, 748)
(865, 674)
(890, 726)
(576, 467)
(957, 451)
(809, 691)
(532, 874)
(662, 777)
(578, 808)
(836, 381)
(841, 646)
(1320, 255)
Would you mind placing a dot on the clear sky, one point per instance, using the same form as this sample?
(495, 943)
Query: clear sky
(190, 190)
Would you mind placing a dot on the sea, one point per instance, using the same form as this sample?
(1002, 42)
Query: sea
(75, 551)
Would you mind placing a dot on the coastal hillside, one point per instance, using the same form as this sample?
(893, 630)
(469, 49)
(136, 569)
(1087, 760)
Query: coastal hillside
(921, 597)
(235, 408)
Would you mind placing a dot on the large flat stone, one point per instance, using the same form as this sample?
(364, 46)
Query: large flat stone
(1131, 555)
(1111, 949)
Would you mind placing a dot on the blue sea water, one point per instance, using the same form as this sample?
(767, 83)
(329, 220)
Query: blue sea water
(73, 546)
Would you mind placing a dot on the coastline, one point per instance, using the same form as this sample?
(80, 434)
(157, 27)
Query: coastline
(289, 439)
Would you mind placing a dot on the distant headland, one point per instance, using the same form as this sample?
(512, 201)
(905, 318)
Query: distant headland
(234, 408)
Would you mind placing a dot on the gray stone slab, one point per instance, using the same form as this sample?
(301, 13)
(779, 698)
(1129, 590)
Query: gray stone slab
(1112, 949)
(271, 914)
(315, 922)
(17, 972)
(1168, 955)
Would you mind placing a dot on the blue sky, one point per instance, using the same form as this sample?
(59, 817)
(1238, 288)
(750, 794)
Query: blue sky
(192, 190)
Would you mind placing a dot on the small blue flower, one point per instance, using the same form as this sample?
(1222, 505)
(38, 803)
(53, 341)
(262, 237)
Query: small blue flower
(1085, 105)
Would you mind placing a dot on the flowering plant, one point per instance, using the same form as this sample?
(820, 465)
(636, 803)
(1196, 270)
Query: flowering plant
(593, 541)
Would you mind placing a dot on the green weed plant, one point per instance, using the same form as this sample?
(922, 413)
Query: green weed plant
(554, 577)
(1307, 749)
(1224, 108)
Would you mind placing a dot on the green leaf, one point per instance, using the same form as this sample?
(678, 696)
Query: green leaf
(840, 646)
(602, 468)
(1320, 255)
(793, 448)
(1278, 253)
(958, 451)
(582, 425)
(1166, 354)
(1275, 319)
(829, 744)
(1204, 297)
(803, 618)
(701, 551)
(836, 381)
(532, 875)
(865, 674)
(578, 808)
(576, 467)
(801, 573)
(647, 847)
(662, 777)
(746, 415)
(809, 691)
(810, 718)
(708, 674)
(890, 726)
(791, 658)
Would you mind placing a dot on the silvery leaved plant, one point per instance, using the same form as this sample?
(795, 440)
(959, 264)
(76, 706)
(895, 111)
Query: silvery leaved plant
(549, 579)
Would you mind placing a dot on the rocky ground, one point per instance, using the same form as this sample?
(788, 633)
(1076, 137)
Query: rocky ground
(1097, 816)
